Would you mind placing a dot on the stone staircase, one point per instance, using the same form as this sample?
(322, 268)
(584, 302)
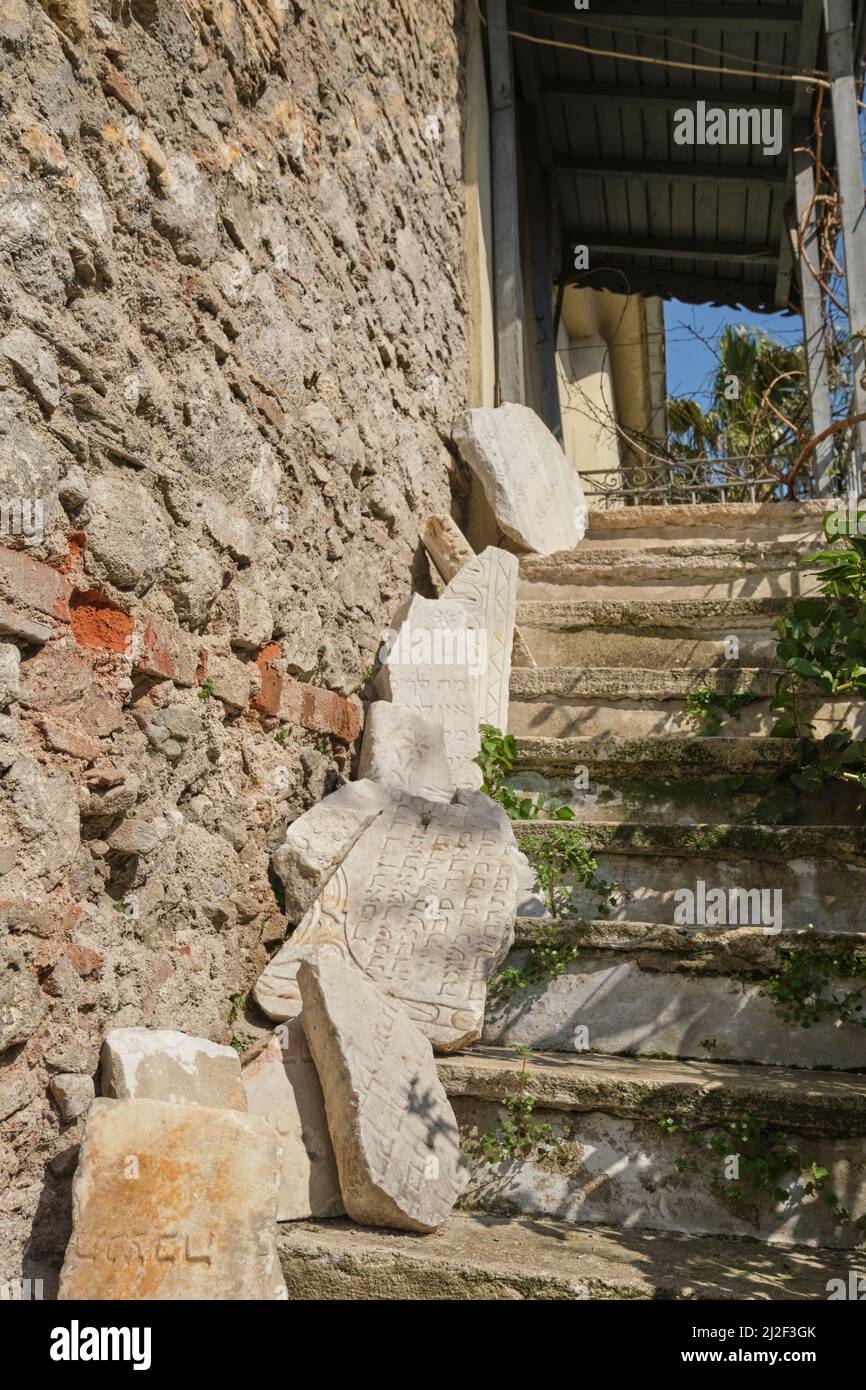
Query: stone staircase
(486, 1257)
(623, 629)
(656, 1029)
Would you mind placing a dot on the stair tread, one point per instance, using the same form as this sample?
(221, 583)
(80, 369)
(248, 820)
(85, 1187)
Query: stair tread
(486, 1257)
(639, 682)
(728, 515)
(711, 555)
(653, 612)
(722, 546)
(707, 948)
(818, 1102)
(673, 750)
(717, 839)
(656, 990)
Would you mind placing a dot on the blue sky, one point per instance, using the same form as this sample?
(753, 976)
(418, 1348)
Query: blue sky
(692, 362)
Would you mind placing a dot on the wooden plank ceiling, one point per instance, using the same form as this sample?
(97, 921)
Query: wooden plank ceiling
(702, 224)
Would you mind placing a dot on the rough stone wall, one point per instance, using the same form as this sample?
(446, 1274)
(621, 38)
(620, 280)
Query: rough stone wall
(232, 341)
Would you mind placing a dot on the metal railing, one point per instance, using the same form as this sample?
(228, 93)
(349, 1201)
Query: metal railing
(749, 478)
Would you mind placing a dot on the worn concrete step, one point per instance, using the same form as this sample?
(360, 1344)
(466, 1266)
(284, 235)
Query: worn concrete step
(492, 1258)
(561, 702)
(673, 779)
(656, 633)
(798, 523)
(796, 876)
(681, 569)
(613, 1162)
(651, 990)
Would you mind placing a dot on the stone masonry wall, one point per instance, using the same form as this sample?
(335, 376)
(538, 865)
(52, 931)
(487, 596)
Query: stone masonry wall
(232, 342)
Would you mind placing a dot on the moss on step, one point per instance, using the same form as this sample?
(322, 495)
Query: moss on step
(488, 1258)
(637, 683)
(698, 559)
(677, 756)
(687, 950)
(823, 1104)
(782, 843)
(806, 514)
(656, 615)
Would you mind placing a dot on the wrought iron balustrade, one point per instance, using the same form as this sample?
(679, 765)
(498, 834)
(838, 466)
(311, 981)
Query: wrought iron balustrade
(750, 478)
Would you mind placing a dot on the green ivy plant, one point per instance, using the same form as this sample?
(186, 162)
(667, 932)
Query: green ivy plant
(838, 757)
(824, 640)
(563, 852)
(766, 1158)
(705, 708)
(496, 760)
(822, 646)
(237, 1003)
(781, 795)
(800, 988)
(560, 852)
(520, 1136)
(548, 956)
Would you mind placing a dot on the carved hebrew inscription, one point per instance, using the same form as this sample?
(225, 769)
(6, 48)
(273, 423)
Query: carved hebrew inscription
(424, 905)
(486, 587)
(395, 1136)
(173, 1201)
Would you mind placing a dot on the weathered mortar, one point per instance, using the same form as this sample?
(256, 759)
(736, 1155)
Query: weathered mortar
(232, 340)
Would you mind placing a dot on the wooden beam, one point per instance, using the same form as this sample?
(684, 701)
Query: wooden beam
(674, 14)
(691, 289)
(526, 63)
(809, 34)
(542, 272)
(807, 54)
(784, 264)
(601, 93)
(526, 58)
(507, 276)
(814, 330)
(849, 167)
(674, 249)
(675, 173)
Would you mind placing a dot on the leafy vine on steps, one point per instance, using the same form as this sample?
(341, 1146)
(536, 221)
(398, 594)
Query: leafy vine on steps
(705, 707)
(822, 646)
(496, 760)
(520, 1136)
(800, 989)
(558, 853)
(755, 1160)
(561, 853)
(548, 956)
